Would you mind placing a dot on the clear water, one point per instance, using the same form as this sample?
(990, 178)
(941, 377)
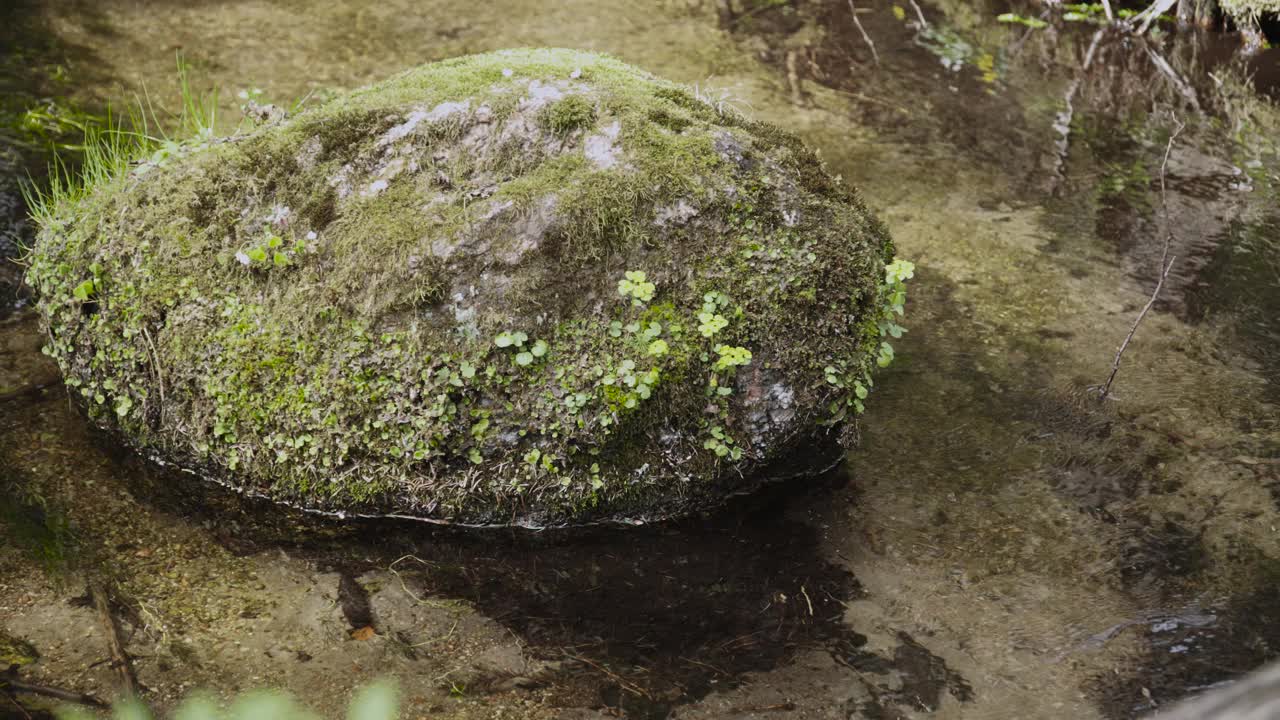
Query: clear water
(1002, 545)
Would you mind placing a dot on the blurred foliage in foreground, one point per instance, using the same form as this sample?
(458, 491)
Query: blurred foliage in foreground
(379, 701)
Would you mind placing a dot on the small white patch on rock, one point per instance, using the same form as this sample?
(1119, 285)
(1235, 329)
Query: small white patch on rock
(340, 181)
(529, 231)
(279, 215)
(600, 148)
(495, 209)
(445, 109)
(790, 217)
(435, 114)
(385, 175)
(402, 130)
(309, 154)
(679, 214)
(540, 94)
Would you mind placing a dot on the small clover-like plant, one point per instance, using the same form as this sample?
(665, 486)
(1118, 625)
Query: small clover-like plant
(713, 301)
(85, 291)
(510, 339)
(711, 323)
(722, 444)
(893, 297)
(635, 285)
(730, 357)
(273, 250)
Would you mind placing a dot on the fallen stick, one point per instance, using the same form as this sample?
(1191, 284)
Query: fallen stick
(1166, 264)
(120, 659)
(924, 24)
(853, 12)
(13, 685)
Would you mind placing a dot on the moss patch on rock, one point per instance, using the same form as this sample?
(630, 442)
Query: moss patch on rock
(532, 286)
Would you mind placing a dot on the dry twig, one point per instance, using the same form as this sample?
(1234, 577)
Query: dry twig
(1153, 11)
(11, 686)
(622, 683)
(853, 12)
(120, 659)
(924, 24)
(1166, 264)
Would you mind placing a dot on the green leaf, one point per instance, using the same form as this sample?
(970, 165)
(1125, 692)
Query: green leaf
(84, 290)
(131, 709)
(280, 259)
(257, 255)
(266, 704)
(524, 358)
(539, 348)
(376, 702)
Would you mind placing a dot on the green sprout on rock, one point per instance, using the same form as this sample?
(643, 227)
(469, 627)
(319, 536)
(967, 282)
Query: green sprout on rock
(894, 295)
(636, 286)
(731, 357)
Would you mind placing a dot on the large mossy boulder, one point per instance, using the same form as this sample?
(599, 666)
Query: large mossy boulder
(534, 287)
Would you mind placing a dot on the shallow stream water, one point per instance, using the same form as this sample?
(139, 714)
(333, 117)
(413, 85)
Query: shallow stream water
(1001, 545)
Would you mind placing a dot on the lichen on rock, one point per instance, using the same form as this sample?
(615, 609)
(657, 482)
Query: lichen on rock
(533, 287)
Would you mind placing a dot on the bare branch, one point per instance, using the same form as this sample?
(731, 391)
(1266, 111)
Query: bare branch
(924, 24)
(853, 12)
(1166, 264)
(120, 659)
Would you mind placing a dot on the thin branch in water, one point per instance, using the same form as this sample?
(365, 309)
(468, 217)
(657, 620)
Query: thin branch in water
(1184, 88)
(1153, 11)
(1166, 264)
(1063, 120)
(853, 12)
(924, 24)
(10, 685)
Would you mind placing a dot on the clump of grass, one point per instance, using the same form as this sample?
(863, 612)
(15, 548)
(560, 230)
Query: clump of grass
(565, 116)
(117, 142)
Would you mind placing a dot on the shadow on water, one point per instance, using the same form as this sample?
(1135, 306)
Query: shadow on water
(38, 71)
(1110, 463)
(644, 619)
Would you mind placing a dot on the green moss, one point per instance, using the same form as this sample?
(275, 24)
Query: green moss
(568, 115)
(313, 310)
(14, 651)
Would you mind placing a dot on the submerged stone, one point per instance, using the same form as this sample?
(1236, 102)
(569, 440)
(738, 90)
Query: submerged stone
(529, 287)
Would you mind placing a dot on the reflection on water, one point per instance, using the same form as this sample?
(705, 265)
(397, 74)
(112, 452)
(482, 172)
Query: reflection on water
(1001, 545)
